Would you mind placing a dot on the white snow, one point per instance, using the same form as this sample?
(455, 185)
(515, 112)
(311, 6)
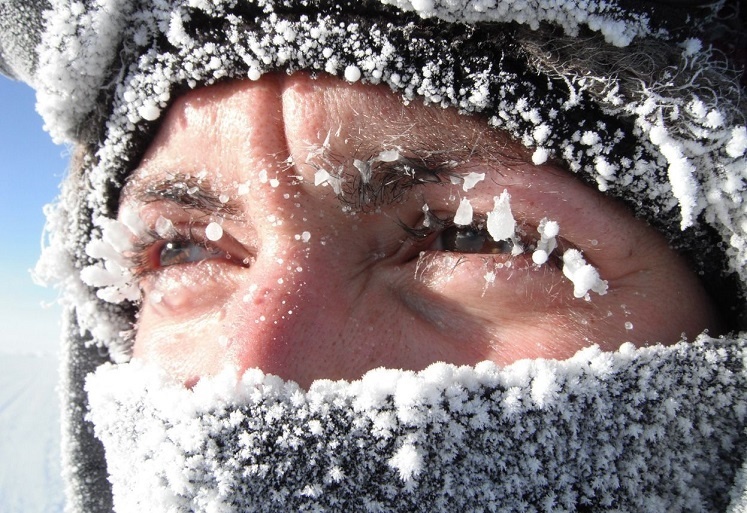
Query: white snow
(30, 479)
(408, 461)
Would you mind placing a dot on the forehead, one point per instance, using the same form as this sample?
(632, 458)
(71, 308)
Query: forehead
(280, 121)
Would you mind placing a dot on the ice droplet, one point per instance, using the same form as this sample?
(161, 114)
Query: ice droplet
(352, 73)
(214, 231)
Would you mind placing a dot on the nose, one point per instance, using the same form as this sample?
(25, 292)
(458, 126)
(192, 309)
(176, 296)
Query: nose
(314, 304)
(297, 316)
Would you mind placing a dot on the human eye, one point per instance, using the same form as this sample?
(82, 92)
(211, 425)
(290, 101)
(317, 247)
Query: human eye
(490, 250)
(442, 234)
(180, 245)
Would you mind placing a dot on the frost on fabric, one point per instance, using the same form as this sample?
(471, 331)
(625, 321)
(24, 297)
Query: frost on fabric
(79, 45)
(619, 28)
(523, 438)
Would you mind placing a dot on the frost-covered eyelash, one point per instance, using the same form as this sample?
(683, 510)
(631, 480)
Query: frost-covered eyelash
(380, 179)
(525, 239)
(140, 254)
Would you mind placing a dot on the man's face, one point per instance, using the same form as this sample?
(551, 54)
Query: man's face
(307, 227)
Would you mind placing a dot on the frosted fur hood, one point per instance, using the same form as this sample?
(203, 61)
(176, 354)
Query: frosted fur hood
(668, 136)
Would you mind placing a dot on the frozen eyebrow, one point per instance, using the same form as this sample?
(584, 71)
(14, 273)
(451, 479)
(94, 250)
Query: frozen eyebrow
(373, 182)
(187, 191)
(435, 157)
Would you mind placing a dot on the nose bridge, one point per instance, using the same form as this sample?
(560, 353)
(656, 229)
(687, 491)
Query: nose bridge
(290, 313)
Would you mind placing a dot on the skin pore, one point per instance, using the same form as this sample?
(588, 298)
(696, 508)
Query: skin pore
(251, 258)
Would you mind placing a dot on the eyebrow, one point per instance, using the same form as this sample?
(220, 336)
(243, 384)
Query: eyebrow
(185, 190)
(390, 181)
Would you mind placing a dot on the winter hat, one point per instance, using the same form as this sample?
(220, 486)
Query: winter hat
(651, 114)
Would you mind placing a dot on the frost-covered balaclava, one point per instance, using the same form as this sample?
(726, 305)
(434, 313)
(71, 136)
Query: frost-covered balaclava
(651, 429)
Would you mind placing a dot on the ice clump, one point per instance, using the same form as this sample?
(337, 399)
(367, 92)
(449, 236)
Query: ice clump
(111, 275)
(501, 222)
(471, 180)
(548, 230)
(352, 73)
(585, 277)
(463, 216)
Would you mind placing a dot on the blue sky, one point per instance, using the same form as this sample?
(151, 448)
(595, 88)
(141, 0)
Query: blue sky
(31, 168)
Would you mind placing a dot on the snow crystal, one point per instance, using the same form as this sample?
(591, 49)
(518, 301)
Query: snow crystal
(692, 46)
(501, 223)
(737, 144)
(408, 461)
(254, 74)
(214, 231)
(585, 277)
(463, 216)
(149, 111)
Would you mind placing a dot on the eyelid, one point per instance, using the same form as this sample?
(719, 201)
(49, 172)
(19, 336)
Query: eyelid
(526, 235)
(146, 249)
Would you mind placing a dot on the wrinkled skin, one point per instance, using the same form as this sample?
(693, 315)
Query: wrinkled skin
(356, 291)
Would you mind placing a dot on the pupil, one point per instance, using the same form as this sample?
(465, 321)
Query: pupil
(464, 239)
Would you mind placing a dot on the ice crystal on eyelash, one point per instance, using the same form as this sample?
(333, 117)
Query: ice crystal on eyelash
(471, 180)
(585, 277)
(165, 228)
(548, 230)
(501, 223)
(463, 215)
